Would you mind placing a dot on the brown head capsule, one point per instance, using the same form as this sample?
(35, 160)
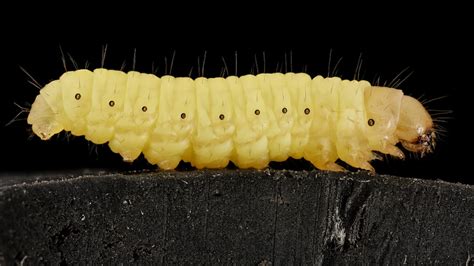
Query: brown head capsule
(415, 127)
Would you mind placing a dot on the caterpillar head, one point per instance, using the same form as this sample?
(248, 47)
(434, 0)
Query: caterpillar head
(394, 117)
(44, 112)
(415, 128)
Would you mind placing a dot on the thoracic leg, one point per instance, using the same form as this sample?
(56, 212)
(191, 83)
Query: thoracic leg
(323, 155)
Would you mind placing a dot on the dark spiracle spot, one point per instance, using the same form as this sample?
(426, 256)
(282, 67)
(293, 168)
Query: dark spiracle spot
(77, 96)
(111, 103)
(221, 117)
(183, 115)
(371, 122)
(307, 111)
(144, 109)
(257, 112)
(284, 110)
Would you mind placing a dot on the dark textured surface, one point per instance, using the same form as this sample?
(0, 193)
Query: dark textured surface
(235, 217)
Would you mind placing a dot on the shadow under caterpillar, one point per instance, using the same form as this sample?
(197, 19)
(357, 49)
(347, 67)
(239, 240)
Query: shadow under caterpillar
(249, 120)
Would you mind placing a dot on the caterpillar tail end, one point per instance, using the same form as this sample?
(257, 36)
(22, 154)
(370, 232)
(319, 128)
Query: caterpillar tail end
(43, 119)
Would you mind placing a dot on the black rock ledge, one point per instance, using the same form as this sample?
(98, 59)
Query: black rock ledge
(235, 217)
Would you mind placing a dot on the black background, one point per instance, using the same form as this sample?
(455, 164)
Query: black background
(432, 41)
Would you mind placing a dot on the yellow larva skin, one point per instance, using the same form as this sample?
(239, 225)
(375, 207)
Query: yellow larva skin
(249, 120)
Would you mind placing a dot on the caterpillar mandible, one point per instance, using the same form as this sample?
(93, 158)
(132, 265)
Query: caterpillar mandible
(249, 120)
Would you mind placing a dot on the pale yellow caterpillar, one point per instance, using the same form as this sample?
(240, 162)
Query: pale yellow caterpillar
(249, 120)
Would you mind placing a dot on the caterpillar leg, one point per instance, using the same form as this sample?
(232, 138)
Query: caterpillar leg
(366, 166)
(166, 155)
(394, 151)
(324, 163)
(358, 159)
(322, 153)
(252, 154)
(362, 161)
(212, 155)
(330, 166)
(170, 164)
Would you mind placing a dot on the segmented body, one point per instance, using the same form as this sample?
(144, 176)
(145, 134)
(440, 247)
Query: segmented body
(249, 120)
